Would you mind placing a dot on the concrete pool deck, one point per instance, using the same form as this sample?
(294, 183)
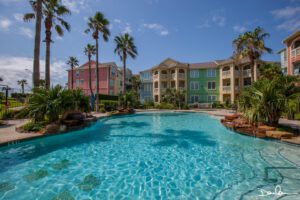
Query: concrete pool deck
(9, 135)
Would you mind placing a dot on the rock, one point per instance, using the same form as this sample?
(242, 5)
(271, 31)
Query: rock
(279, 134)
(62, 128)
(52, 128)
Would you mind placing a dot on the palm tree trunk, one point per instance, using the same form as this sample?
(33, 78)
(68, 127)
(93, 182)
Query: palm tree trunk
(90, 77)
(124, 73)
(48, 25)
(97, 76)
(252, 71)
(72, 78)
(37, 43)
(22, 89)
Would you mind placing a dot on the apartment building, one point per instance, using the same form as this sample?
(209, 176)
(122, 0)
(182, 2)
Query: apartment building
(290, 55)
(146, 91)
(110, 78)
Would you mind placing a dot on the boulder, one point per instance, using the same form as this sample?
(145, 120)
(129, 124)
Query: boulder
(52, 128)
(279, 134)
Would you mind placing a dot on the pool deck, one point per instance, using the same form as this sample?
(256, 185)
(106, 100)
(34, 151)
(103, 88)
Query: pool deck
(9, 135)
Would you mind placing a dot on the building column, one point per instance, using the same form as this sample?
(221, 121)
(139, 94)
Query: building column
(159, 86)
(255, 71)
(221, 85)
(232, 82)
(176, 79)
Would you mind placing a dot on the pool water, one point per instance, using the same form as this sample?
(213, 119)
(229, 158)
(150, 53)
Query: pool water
(150, 156)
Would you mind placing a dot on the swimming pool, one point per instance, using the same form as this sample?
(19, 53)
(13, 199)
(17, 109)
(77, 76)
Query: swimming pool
(149, 156)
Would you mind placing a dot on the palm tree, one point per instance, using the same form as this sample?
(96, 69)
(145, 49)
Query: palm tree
(22, 82)
(98, 24)
(251, 45)
(53, 11)
(125, 47)
(1, 79)
(37, 6)
(90, 50)
(73, 62)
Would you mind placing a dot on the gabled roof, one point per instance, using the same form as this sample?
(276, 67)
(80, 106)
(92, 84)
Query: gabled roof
(203, 65)
(170, 63)
(291, 37)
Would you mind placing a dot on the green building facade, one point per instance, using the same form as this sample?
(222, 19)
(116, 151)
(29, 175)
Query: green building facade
(203, 83)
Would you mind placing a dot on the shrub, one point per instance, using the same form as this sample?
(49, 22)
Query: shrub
(9, 114)
(108, 97)
(164, 105)
(102, 110)
(149, 104)
(34, 126)
(217, 105)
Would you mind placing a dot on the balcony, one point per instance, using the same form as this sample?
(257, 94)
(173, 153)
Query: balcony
(247, 73)
(226, 89)
(155, 90)
(236, 88)
(163, 90)
(181, 75)
(155, 77)
(164, 76)
(173, 76)
(295, 55)
(226, 74)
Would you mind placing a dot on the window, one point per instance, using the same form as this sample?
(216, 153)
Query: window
(211, 73)
(77, 83)
(111, 83)
(194, 73)
(247, 81)
(194, 85)
(211, 98)
(194, 98)
(81, 81)
(211, 85)
(147, 98)
(77, 73)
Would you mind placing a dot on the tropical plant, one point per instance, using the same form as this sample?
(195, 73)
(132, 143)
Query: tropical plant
(125, 47)
(267, 99)
(136, 84)
(37, 7)
(22, 83)
(80, 101)
(73, 62)
(1, 79)
(98, 24)
(53, 12)
(269, 71)
(89, 51)
(175, 97)
(42, 83)
(251, 45)
(128, 100)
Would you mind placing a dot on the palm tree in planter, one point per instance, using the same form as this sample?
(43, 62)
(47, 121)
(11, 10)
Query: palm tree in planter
(37, 7)
(22, 82)
(98, 24)
(53, 12)
(125, 47)
(73, 62)
(251, 45)
(90, 50)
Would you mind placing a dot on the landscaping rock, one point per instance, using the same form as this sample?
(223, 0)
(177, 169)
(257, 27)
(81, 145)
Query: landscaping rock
(279, 134)
(52, 128)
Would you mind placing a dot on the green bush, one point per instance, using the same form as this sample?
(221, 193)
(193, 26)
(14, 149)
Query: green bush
(108, 97)
(149, 105)
(9, 114)
(34, 126)
(109, 103)
(217, 105)
(102, 110)
(168, 106)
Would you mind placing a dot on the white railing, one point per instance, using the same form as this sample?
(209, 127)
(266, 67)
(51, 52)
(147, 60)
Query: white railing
(226, 73)
(181, 75)
(236, 73)
(296, 52)
(173, 76)
(155, 90)
(226, 88)
(155, 76)
(247, 72)
(163, 90)
(164, 76)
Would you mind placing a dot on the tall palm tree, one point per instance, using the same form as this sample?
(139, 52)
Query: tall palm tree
(37, 6)
(251, 45)
(22, 82)
(53, 11)
(98, 24)
(1, 79)
(90, 50)
(73, 62)
(125, 47)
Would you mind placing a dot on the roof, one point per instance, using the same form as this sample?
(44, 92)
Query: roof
(170, 63)
(203, 65)
(284, 49)
(93, 65)
(291, 37)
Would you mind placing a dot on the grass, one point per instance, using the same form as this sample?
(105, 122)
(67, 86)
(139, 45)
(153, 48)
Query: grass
(13, 103)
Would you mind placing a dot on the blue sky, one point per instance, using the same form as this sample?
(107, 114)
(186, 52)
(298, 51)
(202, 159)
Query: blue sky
(186, 30)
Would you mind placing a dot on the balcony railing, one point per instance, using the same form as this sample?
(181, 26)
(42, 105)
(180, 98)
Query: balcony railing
(226, 88)
(247, 72)
(164, 76)
(155, 90)
(181, 75)
(296, 52)
(173, 76)
(163, 90)
(155, 76)
(226, 73)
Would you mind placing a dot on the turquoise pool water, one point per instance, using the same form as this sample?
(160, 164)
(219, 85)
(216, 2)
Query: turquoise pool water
(150, 156)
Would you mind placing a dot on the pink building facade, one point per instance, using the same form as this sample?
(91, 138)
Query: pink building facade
(109, 78)
(290, 55)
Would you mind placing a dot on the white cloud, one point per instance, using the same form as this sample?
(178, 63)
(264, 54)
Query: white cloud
(214, 18)
(18, 17)
(117, 21)
(26, 32)
(239, 29)
(5, 24)
(158, 28)
(127, 28)
(286, 12)
(290, 17)
(219, 19)
(16, 68)
(75, 5)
